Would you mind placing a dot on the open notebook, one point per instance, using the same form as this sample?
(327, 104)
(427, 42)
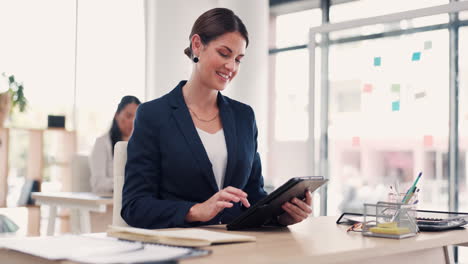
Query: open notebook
(189, 237)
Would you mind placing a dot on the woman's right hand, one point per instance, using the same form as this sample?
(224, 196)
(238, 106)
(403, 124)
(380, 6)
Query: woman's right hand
(205, 211)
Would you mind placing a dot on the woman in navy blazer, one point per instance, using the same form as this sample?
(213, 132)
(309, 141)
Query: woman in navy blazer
(173, 178)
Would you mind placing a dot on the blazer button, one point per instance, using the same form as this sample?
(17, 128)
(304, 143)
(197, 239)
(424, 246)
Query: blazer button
(220, 222)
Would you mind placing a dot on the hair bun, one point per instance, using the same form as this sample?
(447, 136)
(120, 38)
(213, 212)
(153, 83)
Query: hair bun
(188, 52)
(214, 23)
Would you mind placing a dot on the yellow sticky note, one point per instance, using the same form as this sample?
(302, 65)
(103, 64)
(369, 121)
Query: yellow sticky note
(388, 225)
(390, 231)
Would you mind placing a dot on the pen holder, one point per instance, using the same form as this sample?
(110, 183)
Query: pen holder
(412, 202)
(389, 220)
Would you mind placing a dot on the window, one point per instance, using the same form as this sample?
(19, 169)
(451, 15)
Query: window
(291, 75)
(292, 95)
(370, 8)
(393, 118)
(463, 117)
(37, 47)
(293, 29)
(111, 63)
(388, 105)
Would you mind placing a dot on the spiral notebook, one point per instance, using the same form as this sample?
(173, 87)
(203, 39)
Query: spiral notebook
(97, 249)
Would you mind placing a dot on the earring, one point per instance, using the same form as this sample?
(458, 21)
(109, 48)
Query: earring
(195, 59)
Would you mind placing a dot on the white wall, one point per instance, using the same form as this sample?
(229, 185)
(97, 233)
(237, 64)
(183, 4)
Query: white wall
(168, 25)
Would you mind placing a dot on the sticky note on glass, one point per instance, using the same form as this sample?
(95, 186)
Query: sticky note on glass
(377, 61)
(416, 56)
(396, 106)
(356, 142)
(428, 141)
(367, 88)
(427, 45)
(395, 88)
(420, 95)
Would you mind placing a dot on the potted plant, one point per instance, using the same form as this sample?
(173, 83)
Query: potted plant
(11, 97)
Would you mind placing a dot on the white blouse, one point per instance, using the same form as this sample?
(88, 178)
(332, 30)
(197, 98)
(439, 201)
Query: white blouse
(101, 165)
(215, 147)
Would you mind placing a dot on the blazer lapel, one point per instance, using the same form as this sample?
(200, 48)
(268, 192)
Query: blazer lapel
(187, 128)
(229, 127)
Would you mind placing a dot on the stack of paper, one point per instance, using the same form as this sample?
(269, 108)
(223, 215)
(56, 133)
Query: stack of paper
(92, 249)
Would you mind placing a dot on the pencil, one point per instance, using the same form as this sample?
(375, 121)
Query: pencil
(411, 189)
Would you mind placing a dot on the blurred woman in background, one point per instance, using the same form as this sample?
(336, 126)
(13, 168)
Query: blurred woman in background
(102, 155)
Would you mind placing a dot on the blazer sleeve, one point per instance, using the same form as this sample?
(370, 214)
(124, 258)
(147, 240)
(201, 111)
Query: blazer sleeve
(101, 181)
(141, 206)
(254, 186)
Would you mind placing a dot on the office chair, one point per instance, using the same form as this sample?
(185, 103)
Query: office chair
(120, 159)
(80, 182)
(81, 173)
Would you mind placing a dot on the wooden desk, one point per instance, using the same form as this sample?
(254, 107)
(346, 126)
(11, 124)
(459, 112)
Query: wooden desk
(84, 202)
(318, 240)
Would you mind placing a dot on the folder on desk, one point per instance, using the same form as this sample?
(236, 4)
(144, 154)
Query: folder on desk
(190, 237)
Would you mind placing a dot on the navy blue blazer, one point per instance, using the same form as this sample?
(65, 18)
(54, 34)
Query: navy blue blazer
(168, 170)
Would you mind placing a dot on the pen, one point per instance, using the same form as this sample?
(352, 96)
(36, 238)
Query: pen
(411, 189)
(408, 198)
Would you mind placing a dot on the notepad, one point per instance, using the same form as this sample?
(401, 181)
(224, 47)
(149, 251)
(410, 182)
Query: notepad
(190, 237)
(66, 247)
(390, 230)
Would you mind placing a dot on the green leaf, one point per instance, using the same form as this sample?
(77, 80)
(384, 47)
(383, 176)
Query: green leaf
(16, 90)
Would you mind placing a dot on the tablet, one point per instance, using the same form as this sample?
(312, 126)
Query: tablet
(267, 209)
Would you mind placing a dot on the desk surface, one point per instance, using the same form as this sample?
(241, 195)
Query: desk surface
(320, 240)
(317, 240)
(71, 197)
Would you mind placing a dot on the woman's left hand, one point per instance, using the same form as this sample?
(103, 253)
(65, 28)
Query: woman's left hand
(296, 210)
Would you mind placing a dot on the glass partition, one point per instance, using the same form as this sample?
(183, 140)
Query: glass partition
(300, 22)
(463, 117)
(370, 8)
(388, 120)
